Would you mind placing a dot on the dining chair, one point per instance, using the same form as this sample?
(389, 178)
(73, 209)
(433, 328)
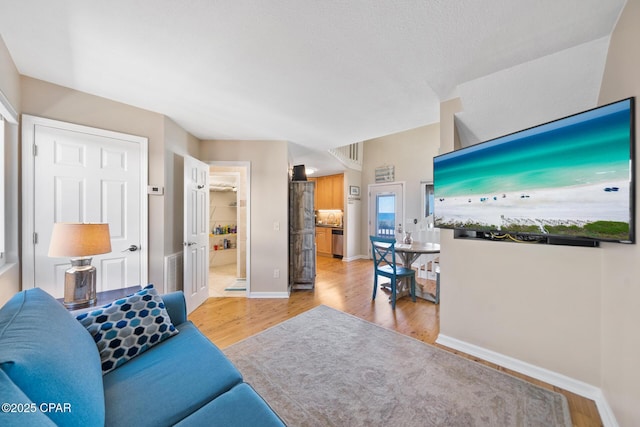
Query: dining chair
(383, 250)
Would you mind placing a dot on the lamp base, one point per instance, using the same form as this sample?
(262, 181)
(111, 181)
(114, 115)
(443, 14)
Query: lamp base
(80, 284)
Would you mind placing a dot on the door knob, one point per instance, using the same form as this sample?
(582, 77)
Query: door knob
(189, 243)
(131, 248)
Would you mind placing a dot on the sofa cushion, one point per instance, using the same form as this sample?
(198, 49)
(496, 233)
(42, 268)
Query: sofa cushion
(176, 307)
(169, 382)
(51, 358)
(128, 327)
(241, 406)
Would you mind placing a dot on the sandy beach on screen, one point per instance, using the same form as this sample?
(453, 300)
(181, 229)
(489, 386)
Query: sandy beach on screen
(566, 205)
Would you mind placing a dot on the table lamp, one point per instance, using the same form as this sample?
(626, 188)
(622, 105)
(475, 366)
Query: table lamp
(79, 241)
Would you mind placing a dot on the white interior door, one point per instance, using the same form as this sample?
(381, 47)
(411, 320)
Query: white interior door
(79, 174)
(386, 209)
(196, 232)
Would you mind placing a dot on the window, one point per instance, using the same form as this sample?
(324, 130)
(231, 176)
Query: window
(8, 126)
(386, 215)
(427, 199)
(3, 257)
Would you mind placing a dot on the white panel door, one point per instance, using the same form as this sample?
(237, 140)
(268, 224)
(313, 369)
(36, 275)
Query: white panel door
(196, 232)
(88, 175)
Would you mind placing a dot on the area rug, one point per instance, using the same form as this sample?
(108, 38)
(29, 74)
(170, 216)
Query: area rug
(328, 368)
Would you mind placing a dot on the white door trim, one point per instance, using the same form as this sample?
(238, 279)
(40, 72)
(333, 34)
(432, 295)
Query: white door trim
(28, 191)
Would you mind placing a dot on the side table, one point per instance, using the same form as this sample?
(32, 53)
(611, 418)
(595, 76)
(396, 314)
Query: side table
(106, 297)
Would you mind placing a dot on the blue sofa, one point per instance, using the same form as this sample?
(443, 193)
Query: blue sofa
(51, 374)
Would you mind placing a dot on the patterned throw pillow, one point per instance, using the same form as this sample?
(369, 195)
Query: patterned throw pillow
(127, 327)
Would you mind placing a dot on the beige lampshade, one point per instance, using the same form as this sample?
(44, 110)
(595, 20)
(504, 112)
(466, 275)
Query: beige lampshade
(78, 240)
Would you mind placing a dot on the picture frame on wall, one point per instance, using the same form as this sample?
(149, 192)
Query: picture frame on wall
(385, 174)
(354, 190)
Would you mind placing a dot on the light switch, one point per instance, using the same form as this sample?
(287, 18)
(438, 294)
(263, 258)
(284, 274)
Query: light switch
(276, 226)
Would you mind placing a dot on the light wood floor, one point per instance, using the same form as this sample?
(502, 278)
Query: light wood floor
(347, 286)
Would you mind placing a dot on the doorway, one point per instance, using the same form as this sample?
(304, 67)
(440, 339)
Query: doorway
(229, 238)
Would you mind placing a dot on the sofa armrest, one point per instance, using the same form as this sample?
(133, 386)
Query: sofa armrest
(176, 307)
(11, 394)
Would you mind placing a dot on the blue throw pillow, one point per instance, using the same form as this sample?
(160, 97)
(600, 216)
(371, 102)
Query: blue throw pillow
(127, 327)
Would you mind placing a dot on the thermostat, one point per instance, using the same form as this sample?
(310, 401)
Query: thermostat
(155, 190)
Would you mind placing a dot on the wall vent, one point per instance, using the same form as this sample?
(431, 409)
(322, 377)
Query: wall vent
(173, 268)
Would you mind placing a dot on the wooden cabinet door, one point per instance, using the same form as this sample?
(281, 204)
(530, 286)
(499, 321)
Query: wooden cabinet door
(329, 192)
(320, 193)
(337, 192)
(324, 192)
(327, 241)
(319, 239)
(323, 240)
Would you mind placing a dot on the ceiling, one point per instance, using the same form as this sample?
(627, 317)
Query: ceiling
(321, 74)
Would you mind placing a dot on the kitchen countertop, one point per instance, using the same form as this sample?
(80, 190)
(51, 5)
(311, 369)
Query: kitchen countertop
(329, 226)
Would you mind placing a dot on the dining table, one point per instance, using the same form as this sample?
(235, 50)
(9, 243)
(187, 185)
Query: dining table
(409, 253)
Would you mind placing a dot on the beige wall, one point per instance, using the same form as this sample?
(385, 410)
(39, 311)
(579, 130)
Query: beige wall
(269, 204)
(9, 77)
(44, 99)
(573, 311)
(536, 303)
(620, 276)
(352, 221)
(178, 144)
(10, 88)
(539, 304)
(168, 144)
(411, 152)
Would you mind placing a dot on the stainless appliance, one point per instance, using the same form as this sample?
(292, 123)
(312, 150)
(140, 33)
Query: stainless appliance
(336, 242)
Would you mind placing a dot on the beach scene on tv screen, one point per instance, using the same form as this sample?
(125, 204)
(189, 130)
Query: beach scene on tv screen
(571, 177)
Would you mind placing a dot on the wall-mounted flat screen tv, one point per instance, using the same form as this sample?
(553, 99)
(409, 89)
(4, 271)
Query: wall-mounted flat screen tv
(572, 178)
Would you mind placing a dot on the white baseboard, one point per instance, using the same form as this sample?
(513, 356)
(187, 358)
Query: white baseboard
(267, 294)
(550, 377)
(353, 258)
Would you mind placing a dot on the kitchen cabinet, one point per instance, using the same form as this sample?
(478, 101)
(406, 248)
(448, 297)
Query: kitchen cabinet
(323, 240)
(337, 192)
(329, 192)
(319, 181)
(324, 194)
